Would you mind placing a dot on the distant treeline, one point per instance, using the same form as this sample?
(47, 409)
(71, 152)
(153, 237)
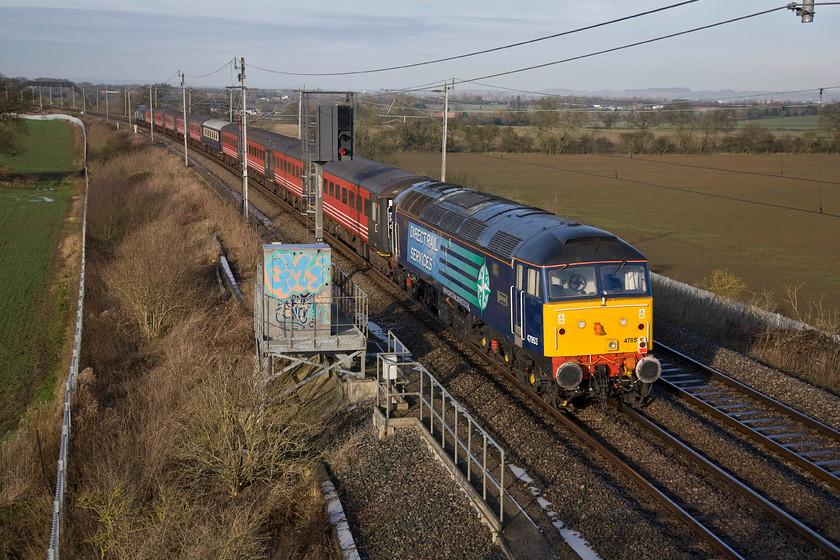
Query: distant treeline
(544, 127)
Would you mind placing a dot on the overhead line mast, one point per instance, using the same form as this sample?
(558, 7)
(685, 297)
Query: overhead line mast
(244, 141)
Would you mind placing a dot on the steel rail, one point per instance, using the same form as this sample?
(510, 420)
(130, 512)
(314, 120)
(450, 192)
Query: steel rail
(756, 434)
(784, 518)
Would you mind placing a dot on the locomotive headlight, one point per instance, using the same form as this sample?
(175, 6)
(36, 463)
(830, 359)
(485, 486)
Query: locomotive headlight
(623, 321)
(582, 323)
(613, 345)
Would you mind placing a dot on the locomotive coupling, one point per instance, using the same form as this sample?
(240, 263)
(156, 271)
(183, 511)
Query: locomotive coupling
(648, 369)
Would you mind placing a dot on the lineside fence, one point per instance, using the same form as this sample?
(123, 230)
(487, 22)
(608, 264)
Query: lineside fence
(70, 384)
(466, 446)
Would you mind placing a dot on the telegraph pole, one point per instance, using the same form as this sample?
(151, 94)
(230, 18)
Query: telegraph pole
(186, 125)
(152, 113)
(244, 141)
(445, 91)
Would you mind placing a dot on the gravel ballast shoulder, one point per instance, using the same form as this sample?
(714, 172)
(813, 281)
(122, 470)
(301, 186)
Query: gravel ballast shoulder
(399, 501)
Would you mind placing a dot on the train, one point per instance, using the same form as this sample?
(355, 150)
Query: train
(565, 307)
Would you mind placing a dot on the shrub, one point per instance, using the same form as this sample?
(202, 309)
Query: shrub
(724, 284)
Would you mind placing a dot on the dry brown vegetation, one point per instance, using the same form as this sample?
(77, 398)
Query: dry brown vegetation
(178, 451)
(812, 354)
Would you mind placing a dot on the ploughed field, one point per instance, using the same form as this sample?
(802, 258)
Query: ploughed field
(755, 216)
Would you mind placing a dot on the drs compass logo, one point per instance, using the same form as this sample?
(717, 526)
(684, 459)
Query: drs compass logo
(462, 273)
(483, 287)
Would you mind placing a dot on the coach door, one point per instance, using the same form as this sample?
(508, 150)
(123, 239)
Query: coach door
(378, 223)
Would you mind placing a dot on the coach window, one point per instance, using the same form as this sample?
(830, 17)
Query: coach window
(351, 199)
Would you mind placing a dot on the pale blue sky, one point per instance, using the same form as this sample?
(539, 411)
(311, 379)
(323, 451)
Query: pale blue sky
(149, 41)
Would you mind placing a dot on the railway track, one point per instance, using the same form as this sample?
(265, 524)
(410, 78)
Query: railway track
(805, 442)
(695, 519)
(696, 523)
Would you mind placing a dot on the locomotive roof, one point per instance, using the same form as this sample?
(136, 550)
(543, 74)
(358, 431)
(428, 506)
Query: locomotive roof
(509, 230)
(375, 177)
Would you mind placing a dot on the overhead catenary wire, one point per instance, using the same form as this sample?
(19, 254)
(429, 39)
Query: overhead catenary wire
(485, 51)
(622, 47)
(614, 49)
(222, 67)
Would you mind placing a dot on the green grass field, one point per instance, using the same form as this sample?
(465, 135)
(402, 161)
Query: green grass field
(757, 217)
(31, 215)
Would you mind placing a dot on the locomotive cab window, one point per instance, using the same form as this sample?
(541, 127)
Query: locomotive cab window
(572, 281)
(630, 279)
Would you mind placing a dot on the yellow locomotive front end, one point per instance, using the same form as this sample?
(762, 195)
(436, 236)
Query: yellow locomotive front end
(597, 326)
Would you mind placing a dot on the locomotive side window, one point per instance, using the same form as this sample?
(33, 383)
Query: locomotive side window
(367, 207)
(359, 203)
(533, 282)
(343, 195)
(351, 199)
(375, 212)
(519, 277)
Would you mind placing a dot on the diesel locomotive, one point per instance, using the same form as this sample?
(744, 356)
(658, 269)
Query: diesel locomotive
(564, 306)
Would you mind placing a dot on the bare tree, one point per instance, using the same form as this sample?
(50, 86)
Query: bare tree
(608, 118)
(643, 119)
(546, 117)
(680, 113)
(710, 125)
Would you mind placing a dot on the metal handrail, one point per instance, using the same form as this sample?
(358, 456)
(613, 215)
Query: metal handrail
(393, 366)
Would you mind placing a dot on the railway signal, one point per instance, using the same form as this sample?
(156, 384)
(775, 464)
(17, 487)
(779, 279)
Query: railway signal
(335, 133)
